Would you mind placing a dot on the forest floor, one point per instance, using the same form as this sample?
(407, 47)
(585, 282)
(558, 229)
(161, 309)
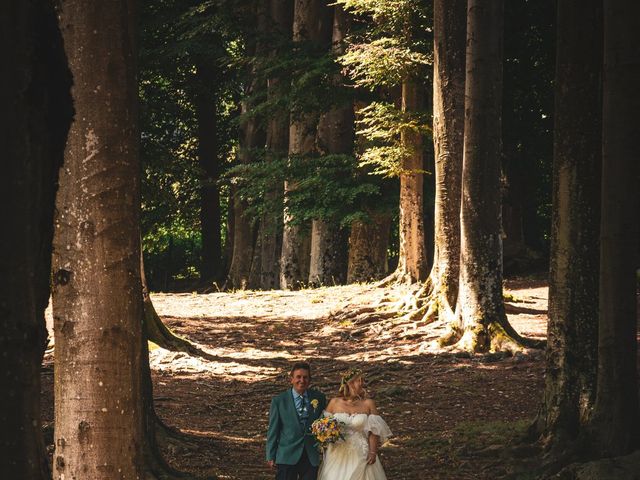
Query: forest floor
(452, 415)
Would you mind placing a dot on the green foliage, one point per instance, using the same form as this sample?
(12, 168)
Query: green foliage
(390, 15)
(380, 128)
(330, 187)
(393, 48)
(383, 62)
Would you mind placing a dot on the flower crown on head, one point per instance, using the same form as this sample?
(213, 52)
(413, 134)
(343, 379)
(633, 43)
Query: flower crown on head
(348, 376)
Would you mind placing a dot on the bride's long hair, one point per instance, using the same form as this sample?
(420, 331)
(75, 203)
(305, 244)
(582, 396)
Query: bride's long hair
(346, 390)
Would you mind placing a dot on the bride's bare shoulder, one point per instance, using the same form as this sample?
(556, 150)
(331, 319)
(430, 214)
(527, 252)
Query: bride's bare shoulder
(370, 404)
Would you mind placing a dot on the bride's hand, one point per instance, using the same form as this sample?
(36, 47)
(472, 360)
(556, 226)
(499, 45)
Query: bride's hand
(371, 458)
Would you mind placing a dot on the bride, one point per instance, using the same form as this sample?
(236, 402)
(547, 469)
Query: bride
(364, 430)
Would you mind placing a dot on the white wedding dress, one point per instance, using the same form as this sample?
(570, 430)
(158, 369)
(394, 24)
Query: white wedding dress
(347, 460)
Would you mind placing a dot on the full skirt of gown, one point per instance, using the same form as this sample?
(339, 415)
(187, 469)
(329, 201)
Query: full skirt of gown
(347, 459)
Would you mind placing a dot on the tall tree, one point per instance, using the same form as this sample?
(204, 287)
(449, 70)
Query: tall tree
(615, 421)
(481, 323)
(34, 121)
(312, 22)
(335, 136)
(389, 60)
(96, 263)
(252, 138)
(412, 258)
(205, 101)
(572, 331)
(449, 30)
(277, 144)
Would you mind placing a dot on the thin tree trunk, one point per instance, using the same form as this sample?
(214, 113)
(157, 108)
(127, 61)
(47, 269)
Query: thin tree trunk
(615, 417)
(572, 331)
(277, 144)
(412, 259)
(96, 261)
(449, 28)
(481, 323)
(210, 211)
(256, 262)
(252, 137)
(312, 23)
(34, 120)
(368, 244)
(335, 136)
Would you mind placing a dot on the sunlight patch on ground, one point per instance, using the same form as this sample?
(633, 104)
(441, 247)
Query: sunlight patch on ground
(162, 360)
(221, 436)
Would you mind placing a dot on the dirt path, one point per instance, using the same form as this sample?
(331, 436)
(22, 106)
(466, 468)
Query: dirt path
(450, 415)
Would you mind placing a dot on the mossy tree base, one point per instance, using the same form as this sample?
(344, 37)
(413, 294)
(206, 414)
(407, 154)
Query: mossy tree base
(484, 335)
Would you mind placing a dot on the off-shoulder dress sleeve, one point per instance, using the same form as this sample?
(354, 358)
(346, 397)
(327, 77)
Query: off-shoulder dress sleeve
(376, 425)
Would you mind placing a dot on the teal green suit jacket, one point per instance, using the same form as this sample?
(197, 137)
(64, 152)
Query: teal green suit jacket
(286, 437)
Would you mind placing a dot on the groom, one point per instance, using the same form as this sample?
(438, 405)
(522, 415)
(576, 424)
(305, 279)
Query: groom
(290, 445)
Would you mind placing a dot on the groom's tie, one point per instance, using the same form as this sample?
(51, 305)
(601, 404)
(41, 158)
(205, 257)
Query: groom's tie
(303, 411)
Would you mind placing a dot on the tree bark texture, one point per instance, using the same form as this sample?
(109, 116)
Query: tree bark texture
(480, 307)
(277, 144)
(209, 162)
(335, 136)
(328, 254)
(572, 331)
(96, 263)
(252, 137)
(34, 120)
(412, 259)
(312, 23)
(615, 417)
(368, 243)
(449, 29)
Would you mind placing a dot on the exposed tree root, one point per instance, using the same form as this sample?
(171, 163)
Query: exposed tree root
(158, 333)
(487, 337)
(399, 277)
(410, 314)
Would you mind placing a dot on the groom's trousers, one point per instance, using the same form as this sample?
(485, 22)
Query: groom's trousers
(303, 470)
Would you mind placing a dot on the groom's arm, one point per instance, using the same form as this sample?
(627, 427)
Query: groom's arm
(273, 432)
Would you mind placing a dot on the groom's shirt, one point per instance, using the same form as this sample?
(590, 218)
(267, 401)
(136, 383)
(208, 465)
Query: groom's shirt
(302, 406)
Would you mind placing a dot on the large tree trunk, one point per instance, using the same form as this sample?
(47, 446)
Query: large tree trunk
(368, 243)
(209, 162)
(615, 417)
(96, 263)
(572, 331)
(335, 136)
(412, 259)
(34, 120)
(482, 322)
(328, 254)
(252, 137)
(312, 21)
(277, 144)
(449, 29)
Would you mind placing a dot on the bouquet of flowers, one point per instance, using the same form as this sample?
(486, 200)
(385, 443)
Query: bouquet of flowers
(327, 430)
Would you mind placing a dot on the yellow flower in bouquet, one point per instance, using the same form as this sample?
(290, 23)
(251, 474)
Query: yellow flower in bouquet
(327, 430)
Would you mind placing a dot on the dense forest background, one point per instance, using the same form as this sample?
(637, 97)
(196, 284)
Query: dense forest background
(205, 77)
